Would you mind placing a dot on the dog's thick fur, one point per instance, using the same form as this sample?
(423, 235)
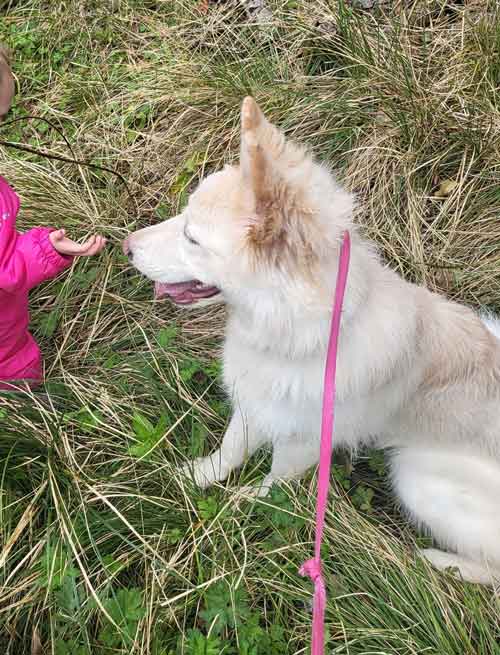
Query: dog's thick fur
(416, 373)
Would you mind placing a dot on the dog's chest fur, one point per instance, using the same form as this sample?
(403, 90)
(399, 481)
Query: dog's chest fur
(281, 395)
(273, 372)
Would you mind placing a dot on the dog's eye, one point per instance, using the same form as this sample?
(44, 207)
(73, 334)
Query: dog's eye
(189, 237)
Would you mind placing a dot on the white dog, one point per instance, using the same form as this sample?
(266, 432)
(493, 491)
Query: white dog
(416, 373)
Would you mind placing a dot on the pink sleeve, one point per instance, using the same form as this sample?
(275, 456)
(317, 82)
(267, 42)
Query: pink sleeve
(41, 259)
(25, 259)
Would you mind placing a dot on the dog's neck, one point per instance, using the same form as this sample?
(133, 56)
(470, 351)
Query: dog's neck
(270, 323)
(294, 321)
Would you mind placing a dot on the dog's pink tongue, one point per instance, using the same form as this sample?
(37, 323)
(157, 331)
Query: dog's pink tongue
(160, 289)
(163, 289)
(184, 293)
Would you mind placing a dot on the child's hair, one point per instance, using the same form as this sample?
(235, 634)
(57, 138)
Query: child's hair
(7, 87)
(5, 54)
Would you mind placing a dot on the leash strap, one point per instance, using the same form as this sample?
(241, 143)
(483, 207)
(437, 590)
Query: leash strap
(312, 567)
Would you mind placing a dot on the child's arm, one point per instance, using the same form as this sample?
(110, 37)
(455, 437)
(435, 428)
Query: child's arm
(27, 259)
(37, 255)
(41, 254)
(30, 258)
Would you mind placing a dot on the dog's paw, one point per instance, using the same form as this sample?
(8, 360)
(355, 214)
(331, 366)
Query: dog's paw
(462, 568)
(199, 471)
(203, 471)
(250, 491)
(259, 490)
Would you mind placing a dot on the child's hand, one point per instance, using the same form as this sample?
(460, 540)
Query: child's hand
(66, 246)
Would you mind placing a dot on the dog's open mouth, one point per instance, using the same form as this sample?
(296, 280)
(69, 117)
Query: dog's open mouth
(185, 293)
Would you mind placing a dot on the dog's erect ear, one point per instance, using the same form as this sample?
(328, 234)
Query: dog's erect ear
(259, 139)
(280, 220)
(7, 86)
(261, 146)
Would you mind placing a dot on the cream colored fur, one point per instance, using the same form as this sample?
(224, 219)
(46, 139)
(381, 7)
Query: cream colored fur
(417, 373)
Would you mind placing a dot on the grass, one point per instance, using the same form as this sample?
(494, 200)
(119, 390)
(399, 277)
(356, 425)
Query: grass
(103, 549)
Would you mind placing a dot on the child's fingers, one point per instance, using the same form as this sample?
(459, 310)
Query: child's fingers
(93, 246)
(89, 243)
(55, 238)
(102, 243)
(57, 235)
(99, 245)
(81, 249)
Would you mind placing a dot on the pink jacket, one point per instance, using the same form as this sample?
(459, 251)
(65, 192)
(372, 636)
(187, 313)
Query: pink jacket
(25, 261)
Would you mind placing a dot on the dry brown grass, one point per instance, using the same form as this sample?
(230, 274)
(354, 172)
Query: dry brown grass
(398, 102)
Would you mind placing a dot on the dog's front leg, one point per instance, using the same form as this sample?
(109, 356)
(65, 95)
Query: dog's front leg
(240, 441)
(292, 457)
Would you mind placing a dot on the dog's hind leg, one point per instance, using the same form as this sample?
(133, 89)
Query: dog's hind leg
(240, 441)
(464, 568)
(455, 496)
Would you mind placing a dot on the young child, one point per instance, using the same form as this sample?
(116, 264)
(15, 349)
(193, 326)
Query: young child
(25, 260)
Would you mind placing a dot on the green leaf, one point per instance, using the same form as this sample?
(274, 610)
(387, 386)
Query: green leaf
(174, 535)
(214, 369)
(126, 610)
(70, 647)
(48, 324)
(186, 173)
(208, 508)
(226, 608)
(342, 475)
(147, 434)
(54, 567)
(162, 211)
(67, 596)
(85, 278)
(142, 449)
(194, 162)
(199, 434)
(221, 407)
(377, 462)
(198, 644)
(362, 498)
(280, 510)
(251, 635)
(87, 419)
(111, 565)
(189, 369)
(167, 335)
(111, 361)
(142, 426)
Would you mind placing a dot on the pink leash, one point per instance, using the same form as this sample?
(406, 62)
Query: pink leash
(312, 567)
